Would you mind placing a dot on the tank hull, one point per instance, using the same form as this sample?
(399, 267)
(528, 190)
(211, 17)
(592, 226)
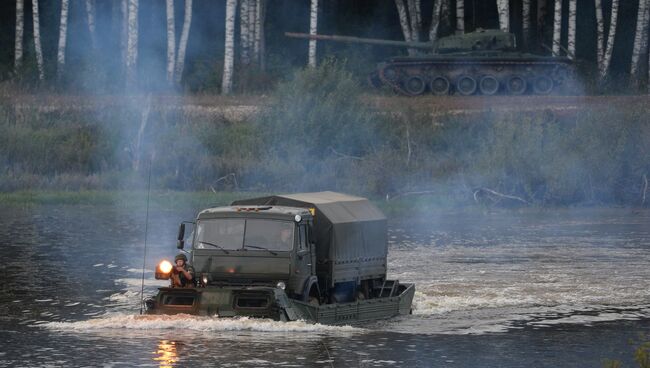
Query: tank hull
(273, 303)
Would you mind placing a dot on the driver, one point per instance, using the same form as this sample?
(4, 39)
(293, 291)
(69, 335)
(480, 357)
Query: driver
(182, 273)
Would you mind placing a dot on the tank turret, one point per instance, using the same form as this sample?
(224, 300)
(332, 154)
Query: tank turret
(482, 62)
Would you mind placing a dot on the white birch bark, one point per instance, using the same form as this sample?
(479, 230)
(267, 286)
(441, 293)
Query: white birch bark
(600, 33)
(182, 45)
(413, 20)
(37, 40)
(525, 22)
(403, 20)
(244, 31)
(90, 15)
(460, 16)
(610, 40)
(20, 30)
(445, 16)
(229, 54)
(638, 49)
(124, 31)
(435, 21)
(504, 15)
(171, 40)
(557, 27)
(313, 29)
(132, 45)
(571, 41)
(252, 9)
(63, 34)
(258, 24)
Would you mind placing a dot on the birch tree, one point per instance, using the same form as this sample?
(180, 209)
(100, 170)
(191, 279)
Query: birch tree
(415, 19)
(641, 31)
(20, 29)
(259, 44)
(171, 40)
(37, 40)
(182, 45)
(525, 22)
(313, 29)
(460, 16)
(132, 45)
(600, 33)
(607, 56)
(542, 8)
(63, 33)
(124, 31)
(229, 54)
(571, 40)
(244, 31)
(557, 27)
(445, 16)
(504, 15)
(403, 20)
(90, 15)
(435, 20)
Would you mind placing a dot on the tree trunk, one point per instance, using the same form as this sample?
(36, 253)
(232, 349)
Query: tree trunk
(20, 30)
(435, 21)
(90, 14)
(260, 41)
(132, 46)
(313, 29)
(445, 17)
(37, 40)
(460, 16)
(600, 33)
(124, 31)
(557, 27)
(244, 31)
(571, 41)
(638, 49)
(229, 54)
(610, 40)
(525, 22)
(182, 45)
(542, 8)
(504, 15)
(414, 20)
(171, 41)
(63, 33)
(403, 20)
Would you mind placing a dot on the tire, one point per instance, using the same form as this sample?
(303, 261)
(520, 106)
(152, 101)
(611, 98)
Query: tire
(466, 85)
(415, 85)
(543, 85)
(488, 85)
(390, 74)
(516, 85)
(313, 301)
(440, 85)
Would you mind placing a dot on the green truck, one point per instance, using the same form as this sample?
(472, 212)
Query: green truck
(319, 257)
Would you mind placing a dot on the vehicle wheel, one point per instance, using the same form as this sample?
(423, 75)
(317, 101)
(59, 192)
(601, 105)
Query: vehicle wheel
(440, 85)
(466, 85)
(543, 85)
(415, 85)
(391, 74)
(488, 85)
(313, 301)
(516, 85)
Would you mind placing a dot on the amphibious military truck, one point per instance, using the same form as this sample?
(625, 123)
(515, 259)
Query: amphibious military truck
(483, 62)
(319, 257)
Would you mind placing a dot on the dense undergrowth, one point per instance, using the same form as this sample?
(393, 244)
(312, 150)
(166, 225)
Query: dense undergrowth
(318, 135)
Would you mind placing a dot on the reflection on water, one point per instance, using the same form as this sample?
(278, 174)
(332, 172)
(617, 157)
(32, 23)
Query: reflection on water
(167, 354)
(552, 288)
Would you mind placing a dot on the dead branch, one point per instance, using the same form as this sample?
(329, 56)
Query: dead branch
(499, 195)
(343, 155)
(406, 194)
(645, 189)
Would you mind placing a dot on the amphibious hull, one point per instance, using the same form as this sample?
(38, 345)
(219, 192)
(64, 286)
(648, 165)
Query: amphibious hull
(273, 303)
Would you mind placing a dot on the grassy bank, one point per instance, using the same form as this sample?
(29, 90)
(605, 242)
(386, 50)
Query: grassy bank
(318, 134)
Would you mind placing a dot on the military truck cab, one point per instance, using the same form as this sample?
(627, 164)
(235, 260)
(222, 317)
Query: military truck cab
(288, 257)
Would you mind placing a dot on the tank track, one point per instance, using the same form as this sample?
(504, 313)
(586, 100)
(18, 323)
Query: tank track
(485, 77)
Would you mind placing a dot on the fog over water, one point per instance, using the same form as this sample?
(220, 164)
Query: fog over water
(557, 287)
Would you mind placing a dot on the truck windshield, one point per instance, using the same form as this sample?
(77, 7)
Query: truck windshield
(233, 234)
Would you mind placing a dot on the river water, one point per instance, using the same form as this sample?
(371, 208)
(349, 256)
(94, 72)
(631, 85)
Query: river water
(565, 288)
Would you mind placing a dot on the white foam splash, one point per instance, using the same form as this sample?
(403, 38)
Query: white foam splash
(195, 323)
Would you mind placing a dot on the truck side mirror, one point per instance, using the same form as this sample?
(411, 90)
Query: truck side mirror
(181, 236)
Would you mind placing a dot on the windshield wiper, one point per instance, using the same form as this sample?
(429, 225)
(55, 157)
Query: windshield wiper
(214, 245)
(256, 247)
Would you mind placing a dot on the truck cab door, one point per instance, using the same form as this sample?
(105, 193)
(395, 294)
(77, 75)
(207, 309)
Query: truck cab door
(304, 252)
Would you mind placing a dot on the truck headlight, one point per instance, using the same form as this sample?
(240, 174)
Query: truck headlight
(281, 285)
(204, 279)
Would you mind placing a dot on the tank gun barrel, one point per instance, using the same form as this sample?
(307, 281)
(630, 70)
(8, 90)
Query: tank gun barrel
(369, 41)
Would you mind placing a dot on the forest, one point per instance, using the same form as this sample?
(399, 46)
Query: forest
(231, 46)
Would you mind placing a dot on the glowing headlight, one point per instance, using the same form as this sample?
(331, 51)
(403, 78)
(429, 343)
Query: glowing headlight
(165, 267)
(281, 285)
(204, 279)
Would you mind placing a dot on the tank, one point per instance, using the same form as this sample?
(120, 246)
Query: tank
(484, 62)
